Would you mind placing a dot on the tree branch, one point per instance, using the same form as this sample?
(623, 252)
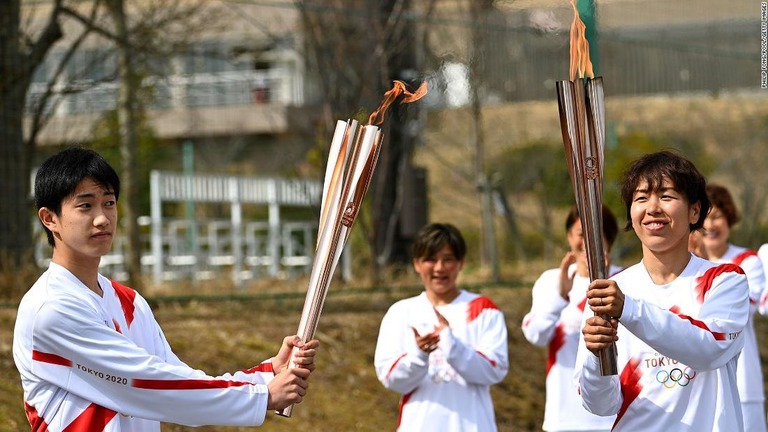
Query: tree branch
(90, 24)
(40, 116)
(48, 37)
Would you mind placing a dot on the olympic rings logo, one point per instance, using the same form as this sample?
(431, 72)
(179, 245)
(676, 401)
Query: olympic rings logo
(675, 377)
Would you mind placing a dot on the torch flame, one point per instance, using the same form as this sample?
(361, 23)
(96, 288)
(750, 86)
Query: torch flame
(581, 65)
(377, 117)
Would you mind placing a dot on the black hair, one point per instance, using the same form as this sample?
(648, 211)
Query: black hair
(721, 198)
(58, 177)
(433, 237)
(654, 168)
(610, 226)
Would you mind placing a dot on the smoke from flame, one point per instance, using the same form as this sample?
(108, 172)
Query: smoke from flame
(377, 117)
(581, 65)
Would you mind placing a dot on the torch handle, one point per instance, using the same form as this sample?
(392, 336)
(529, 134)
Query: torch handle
(607, 356)
(322, 271)
(285, 412)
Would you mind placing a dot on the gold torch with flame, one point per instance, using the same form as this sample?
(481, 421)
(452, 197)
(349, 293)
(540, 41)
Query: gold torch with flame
(582, 123)
(351, 163)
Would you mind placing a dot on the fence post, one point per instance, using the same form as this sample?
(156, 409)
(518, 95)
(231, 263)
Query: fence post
(236, 215)
(157, 227)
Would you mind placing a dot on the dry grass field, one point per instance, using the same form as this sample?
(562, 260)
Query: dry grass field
(219, 334)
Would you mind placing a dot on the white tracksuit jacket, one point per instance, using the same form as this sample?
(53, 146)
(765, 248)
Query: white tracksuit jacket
(677, 352)
(449, 389)
(91, 363)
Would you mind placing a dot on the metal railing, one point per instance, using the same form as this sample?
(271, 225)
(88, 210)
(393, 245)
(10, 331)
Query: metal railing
(199, 249)
(178, 91)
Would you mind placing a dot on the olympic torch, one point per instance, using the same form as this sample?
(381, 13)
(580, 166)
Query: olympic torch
(582, 123)
(350, 167)
(351, 164)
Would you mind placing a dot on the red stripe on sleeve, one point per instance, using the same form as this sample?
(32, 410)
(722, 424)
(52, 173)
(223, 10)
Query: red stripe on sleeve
(582, 304)
(93, 419)
(526, 322)
(492, 362)
(557, 342)
(126, 296)
(630, 387)
(700, 324)
(704, 282)
(744, 255)
(394, 364)
(188, 384)
(262, 367)
(51, 358)
(478, 305)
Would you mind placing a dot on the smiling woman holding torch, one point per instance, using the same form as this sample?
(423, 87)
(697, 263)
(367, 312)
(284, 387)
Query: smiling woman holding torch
(679, 318)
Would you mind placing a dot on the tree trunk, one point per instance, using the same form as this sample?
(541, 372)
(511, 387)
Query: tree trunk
(16, 68)
(480, 12)
(390, 243)
(127, 109)
(16, 213)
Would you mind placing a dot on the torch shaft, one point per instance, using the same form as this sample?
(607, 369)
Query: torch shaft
(329, 232)
(582, 126)
(341, 202)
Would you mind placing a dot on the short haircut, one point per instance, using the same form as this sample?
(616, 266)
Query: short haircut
(654, 168)
(610, 226)
(433, 237)
(722, 199)
(58, 177)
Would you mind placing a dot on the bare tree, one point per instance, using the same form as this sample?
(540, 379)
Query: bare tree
(127, 111)
(24, 45)
(42, 108)
(356, 52)
(20, 54)
(141, 37)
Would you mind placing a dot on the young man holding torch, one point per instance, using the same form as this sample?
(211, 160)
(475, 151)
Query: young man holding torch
(90, 353)
(443, 349)
(676, 318)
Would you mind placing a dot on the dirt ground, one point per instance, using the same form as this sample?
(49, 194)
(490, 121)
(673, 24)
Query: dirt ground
(218, 335)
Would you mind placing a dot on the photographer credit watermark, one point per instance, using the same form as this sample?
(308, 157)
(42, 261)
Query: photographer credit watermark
(763, 44)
